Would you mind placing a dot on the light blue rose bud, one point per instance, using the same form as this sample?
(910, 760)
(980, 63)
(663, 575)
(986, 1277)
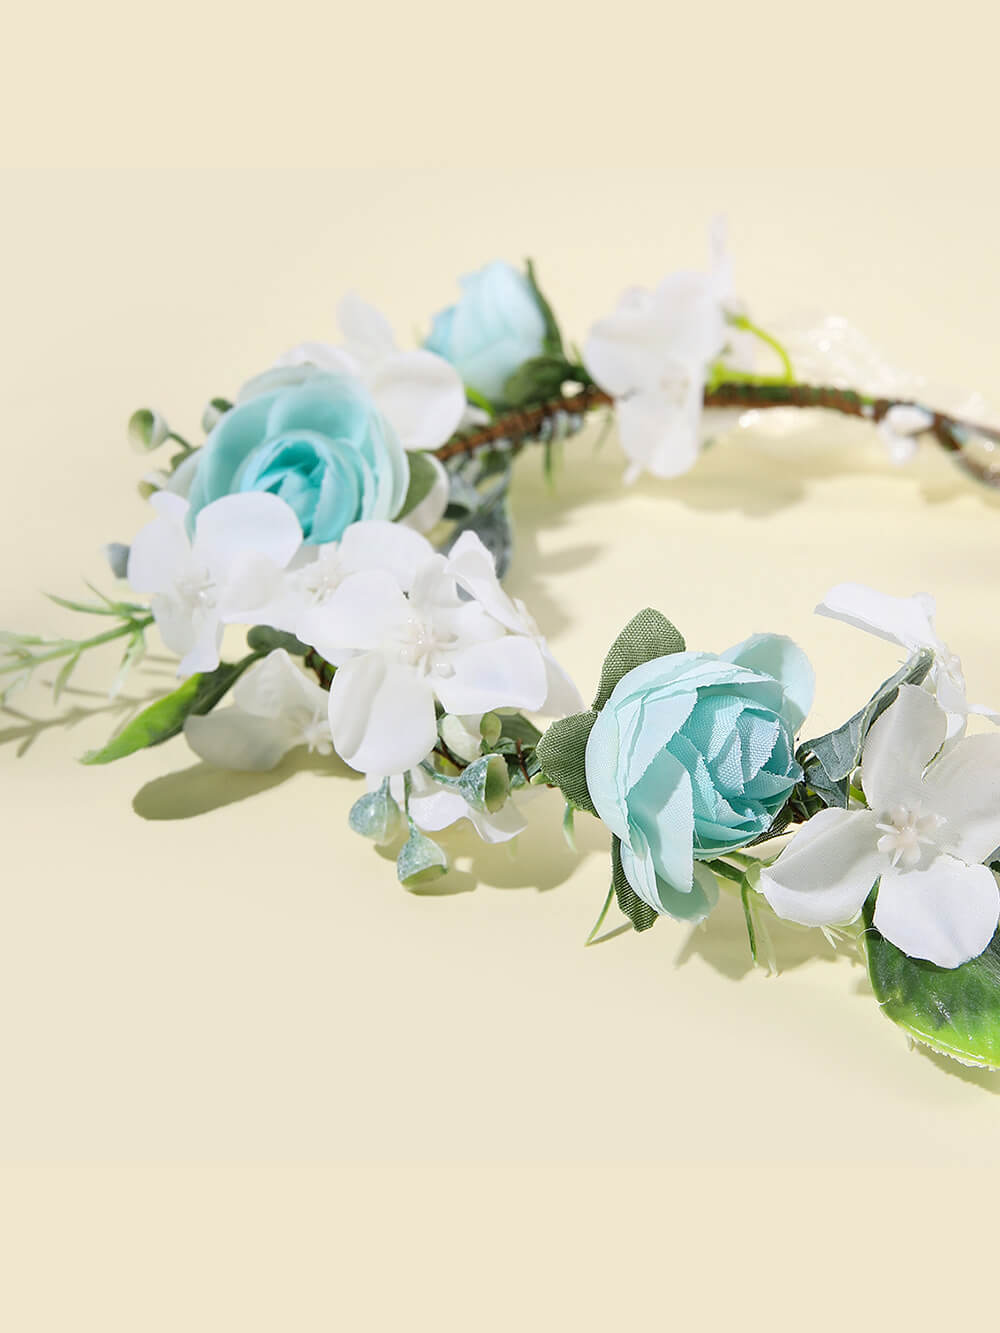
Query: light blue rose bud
(495, 327)
(320, 445)
(692, 756)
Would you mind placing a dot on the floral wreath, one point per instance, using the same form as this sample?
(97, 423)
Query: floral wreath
(350, 509)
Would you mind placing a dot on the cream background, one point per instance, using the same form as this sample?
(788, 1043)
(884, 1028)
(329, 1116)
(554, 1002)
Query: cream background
(248, 985)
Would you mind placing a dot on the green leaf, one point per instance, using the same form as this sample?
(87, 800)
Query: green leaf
(639, 913)
(647, 636)
(536, 381)
(553, 342)
(954, 1011)
(562, 755)
(423, 475)
(829, 760)
(514, 727)
(263, 639)
(164, 719)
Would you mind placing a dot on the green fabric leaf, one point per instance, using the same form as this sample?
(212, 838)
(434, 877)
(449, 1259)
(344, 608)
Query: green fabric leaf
(639, 913)
(646, 636)
(536, 381)
(164, 719)
(562, 755)
(423, 475)
(829, 760)
(553, 342)
(955, 1011)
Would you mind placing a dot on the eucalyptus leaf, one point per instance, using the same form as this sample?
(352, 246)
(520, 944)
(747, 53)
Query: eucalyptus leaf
(562, 755)
(165, 718)
(646, 636)
(638, 912)
(491, 524)
(829, 760)
(954, 1011)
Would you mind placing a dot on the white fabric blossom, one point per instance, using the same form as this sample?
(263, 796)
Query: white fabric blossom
(934, 819)
(652, 355)
(899, 429)
(231, 572)
(275, 708)
(434, 807)
(908, 621)
(403, 638)
(419, 393)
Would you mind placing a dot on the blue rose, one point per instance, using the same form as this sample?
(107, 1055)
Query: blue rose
(313, 439)
(693, 756)
(495, 327)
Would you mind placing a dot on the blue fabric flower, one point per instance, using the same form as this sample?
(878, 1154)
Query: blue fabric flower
(317, 442)
(494, 327)
(693, 756)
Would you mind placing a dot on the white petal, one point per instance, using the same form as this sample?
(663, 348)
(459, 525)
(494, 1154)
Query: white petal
(899, 747)
(501, 673)
(231, 738)
(430, 511)
(908, 621)
(255, 523)
(691, 319)
(324, 356)
(202, 637)
(472, 566)
(276, 687)
(421, 396)
(360, 615)
(963, 787)
(946, 913)
(826, 872)
(561, 695)
(377, 544)
(381, 716)
(660, 434)
(624, 351)
(369, 334)
(159, 552)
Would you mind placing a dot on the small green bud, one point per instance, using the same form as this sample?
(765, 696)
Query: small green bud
(458, 738)
(490, 727)
(215, 409)
(147, 430)
(376, 815)
(485, 783)
(420, 861)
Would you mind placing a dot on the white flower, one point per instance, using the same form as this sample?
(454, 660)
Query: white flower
(418, 392)
(472, 566)
(908, 621)
(433, 807)
(932, 823)
(275, 708)
(899, 429)
(652, 355)
(232, 572)
(402, 638)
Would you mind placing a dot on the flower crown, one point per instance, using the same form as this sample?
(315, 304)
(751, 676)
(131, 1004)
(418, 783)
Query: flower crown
(350, 509)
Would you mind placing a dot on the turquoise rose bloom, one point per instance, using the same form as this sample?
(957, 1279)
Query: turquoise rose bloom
(693, 756)
(313, 439)
(495, 327)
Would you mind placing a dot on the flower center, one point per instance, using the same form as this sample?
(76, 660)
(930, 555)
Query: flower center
(322, 578)
(419, 643)
(316, 735)
(196, 590)
(904, 833)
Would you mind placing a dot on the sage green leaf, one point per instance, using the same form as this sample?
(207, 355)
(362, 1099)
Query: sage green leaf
(164, 719)
(423, 475)
(514, 727)
(553, 342)
(646, 636)
(954, 1011)
(562, 755)
(829, 760)
(376, 815)
(421, 860)
(491, 524)
(639, 913)
(536, 381)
